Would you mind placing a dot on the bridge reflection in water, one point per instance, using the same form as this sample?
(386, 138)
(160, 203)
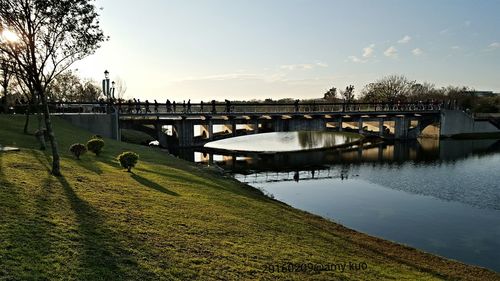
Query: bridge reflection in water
(337, 163)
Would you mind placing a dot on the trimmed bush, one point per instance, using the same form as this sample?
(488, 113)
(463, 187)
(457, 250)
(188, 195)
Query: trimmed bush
(77, 149)
(95, 145)
(128, 159)
(96, 137)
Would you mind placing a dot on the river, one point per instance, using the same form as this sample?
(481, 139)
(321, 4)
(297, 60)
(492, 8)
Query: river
(442, 197)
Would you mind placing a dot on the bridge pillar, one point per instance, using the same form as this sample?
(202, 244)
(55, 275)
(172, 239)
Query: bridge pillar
(255, 124)
(415, 132)
(381, 127)
(278, 124)
(401, 126)
(233, 125)
(360, 125)
(340, 124)
(209, 127)
(319, 123)
(210, 130)
(210, 159)
(185, 132)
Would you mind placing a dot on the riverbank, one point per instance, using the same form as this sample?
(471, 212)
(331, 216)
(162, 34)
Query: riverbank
(171, 219)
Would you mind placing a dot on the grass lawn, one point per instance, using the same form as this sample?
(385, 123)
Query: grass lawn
(170, 220)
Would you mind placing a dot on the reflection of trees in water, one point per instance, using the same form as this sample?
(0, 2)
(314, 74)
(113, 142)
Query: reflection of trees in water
(312, 139)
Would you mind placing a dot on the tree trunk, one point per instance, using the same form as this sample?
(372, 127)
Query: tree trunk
(26, 123)
(56, 166)
(36, 104)
(6, 98)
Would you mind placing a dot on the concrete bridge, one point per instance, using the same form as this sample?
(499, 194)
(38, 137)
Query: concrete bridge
(193, 125)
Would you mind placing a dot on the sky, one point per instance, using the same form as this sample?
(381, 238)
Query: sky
(257, 49)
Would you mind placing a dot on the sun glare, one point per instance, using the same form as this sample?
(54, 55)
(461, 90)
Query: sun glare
(9, 36)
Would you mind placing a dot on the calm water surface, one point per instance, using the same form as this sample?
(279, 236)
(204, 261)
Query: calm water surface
(439, 196)
(285, 141)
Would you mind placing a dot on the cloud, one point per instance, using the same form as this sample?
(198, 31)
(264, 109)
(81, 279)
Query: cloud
(222, 77)
(303, 66)
(355, 59)
(467, 23)
(368, 51)
(494, 45)
(391, 52)
(455, 47)
(404, 40)
(417, 52)
(322, 64)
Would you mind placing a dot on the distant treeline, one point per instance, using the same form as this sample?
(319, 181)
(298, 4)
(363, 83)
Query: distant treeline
(398, 88)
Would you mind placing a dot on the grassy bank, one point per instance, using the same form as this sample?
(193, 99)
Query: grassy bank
(171, 220)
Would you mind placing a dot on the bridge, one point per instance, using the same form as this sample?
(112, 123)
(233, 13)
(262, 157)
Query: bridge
(193, 125)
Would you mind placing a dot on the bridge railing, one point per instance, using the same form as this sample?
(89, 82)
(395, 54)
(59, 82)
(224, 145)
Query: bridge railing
(225, 108)
(272, 108)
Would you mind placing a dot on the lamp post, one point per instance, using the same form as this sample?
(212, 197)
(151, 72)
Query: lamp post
(113, 89)
(105, 85)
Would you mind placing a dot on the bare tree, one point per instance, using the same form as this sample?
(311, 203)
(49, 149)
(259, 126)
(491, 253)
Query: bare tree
(348, 94)
(7, 72)
(51, 36)
(389, 88)
(120, 88)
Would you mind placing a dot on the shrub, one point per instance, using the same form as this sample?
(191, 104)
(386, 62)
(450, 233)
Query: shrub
(95, 145)
(96, 137)
(128, 159)
(77, 149)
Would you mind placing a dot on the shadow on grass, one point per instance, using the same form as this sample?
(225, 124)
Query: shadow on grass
(153, 185)
(23, 239)
(213, 183)
(90, 165)
(101, 256)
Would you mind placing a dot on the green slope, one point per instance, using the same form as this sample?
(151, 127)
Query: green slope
(171, 220)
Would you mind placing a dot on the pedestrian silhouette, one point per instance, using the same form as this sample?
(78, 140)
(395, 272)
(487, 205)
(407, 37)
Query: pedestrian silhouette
(169, 106)
(213, 107)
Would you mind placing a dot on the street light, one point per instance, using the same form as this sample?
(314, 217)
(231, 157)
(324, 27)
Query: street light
(105, 85)
(113, 89)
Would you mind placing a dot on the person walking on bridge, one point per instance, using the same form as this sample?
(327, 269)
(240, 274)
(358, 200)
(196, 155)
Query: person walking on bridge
(147, 107)
(156, 106)
(174, 106)
(213, 107)
(296, 105)
(184, 106)
(129, 106)
(168, 104)
(228, 106)
(189, 106)
(138, 106)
